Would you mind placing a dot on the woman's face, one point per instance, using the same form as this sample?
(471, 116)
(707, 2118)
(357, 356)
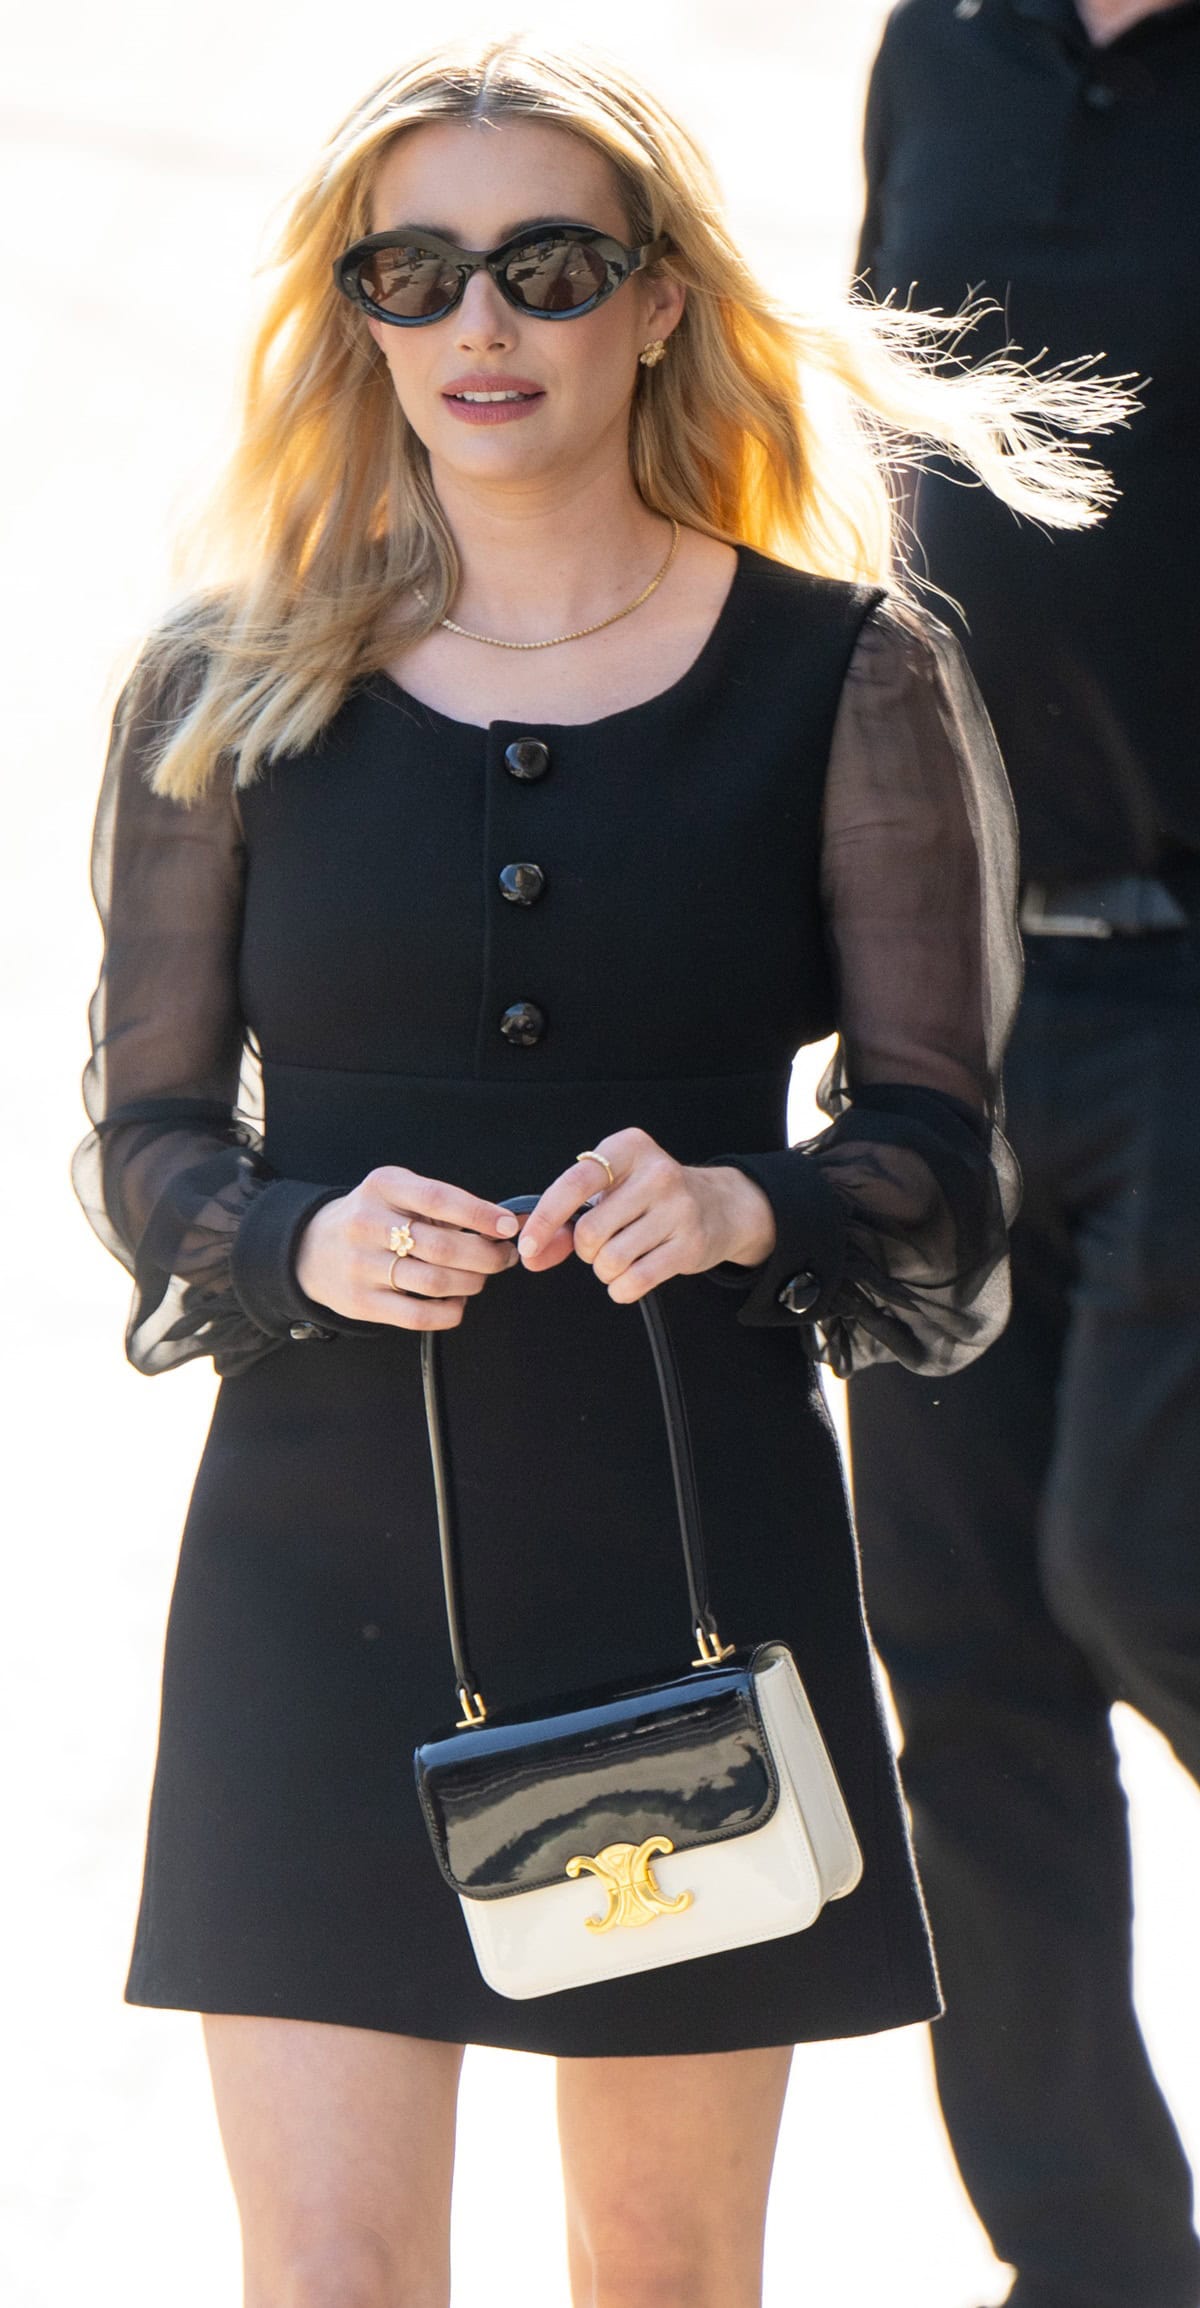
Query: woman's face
(478, 183)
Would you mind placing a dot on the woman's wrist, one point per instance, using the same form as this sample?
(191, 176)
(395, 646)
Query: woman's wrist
(307, 1260)
(263, 1253)
(742, 1221)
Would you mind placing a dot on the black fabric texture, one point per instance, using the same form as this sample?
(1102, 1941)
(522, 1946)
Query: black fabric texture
(1029, 1550)
(1008, 158)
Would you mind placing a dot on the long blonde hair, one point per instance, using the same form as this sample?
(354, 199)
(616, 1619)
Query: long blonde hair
(327, 548)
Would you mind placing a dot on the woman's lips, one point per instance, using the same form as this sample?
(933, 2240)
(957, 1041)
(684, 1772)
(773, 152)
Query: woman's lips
(481, 399)
(493, 412)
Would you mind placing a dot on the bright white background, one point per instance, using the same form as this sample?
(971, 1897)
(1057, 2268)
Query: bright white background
(144, 150)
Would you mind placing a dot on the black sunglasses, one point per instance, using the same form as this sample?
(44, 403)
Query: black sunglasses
(558, 271)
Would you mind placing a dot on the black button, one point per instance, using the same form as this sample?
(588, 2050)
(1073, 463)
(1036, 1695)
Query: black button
(1100, 96)
(527, 758)
(800, 1295)
(522, 885)
(523, 1023)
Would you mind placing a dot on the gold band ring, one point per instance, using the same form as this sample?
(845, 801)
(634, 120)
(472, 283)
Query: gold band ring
(397, 1255)
(589, 1154)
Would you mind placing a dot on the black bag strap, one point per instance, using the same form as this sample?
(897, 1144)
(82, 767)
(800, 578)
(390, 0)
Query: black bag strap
(710, 1648)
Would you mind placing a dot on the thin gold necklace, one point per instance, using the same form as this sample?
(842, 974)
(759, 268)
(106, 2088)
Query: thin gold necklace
(553, 643)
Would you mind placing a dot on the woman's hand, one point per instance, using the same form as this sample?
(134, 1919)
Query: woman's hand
(344, 1260)
(658, 1218)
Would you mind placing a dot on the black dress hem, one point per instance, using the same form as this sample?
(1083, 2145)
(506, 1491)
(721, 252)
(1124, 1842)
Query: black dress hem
(558, 2043)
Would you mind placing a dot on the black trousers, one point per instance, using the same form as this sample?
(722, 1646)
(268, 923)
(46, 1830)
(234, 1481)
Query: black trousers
(1031, 1543)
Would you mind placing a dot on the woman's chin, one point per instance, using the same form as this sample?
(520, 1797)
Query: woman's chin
(523, 452)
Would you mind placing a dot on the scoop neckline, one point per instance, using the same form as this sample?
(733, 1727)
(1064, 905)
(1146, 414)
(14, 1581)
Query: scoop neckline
(710, 648)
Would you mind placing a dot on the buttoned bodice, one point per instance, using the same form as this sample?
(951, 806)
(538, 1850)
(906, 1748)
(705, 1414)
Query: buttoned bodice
(471, 950)
(380, 930)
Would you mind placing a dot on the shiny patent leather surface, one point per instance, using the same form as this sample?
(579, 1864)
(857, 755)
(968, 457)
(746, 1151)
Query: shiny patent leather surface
(510, 1803)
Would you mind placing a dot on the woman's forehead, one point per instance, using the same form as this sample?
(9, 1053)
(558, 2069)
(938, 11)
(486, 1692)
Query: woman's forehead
(490, 178)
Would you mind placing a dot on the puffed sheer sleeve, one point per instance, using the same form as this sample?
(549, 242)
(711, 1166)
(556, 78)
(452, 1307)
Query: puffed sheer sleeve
(892, 1224)
(171, 1175)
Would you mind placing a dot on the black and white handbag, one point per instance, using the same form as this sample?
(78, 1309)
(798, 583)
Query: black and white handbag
(618, 1830)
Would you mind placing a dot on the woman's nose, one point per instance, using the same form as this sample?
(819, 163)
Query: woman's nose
(484, 316)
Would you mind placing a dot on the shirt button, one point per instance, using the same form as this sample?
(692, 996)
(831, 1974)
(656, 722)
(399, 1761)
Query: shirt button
(1100, 96)
(527, 758)
(522, 885)
(523, 1024)
(800, 1295)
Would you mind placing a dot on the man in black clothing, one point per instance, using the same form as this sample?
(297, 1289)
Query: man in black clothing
(1031, 1528)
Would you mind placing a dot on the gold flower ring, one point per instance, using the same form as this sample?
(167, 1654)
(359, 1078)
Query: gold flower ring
(401, 1243)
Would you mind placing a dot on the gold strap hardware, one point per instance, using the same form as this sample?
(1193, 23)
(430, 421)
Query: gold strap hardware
(712, 1649)
(474, 1709)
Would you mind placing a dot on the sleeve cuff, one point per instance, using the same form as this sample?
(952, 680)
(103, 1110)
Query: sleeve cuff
(263, 1270)
(802, 1274)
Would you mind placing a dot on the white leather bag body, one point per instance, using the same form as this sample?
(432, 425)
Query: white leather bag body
(649, 1828)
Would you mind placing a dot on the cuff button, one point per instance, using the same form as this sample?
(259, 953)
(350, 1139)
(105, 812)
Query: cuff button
(800, 1295)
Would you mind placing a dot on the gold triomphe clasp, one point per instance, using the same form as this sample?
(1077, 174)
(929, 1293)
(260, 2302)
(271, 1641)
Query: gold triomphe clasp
(712, 1649)
(474, 1709)
(628, 1877)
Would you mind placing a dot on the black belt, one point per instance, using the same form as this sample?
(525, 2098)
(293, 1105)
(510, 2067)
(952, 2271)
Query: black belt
(1126, 906)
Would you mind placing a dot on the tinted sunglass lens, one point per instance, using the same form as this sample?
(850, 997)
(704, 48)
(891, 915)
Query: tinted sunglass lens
(556, 275)
(413, 282)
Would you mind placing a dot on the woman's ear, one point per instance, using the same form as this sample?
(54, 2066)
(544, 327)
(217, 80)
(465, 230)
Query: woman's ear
(666, 299)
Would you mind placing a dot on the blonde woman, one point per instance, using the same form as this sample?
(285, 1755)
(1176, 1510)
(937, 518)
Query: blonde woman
(547, 761)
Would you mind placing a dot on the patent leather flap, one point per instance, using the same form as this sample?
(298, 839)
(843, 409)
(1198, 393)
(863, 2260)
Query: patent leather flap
(509, 1805)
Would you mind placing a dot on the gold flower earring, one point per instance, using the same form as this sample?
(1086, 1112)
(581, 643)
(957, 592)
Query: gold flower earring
(651, 355)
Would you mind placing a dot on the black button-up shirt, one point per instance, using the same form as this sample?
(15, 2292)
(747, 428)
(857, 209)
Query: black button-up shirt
(1007, 155)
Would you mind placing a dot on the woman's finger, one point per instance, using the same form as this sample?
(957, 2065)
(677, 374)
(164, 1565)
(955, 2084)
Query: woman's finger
(402, 1312)
(552, 1253)
(407, 1193)
(420, 1278)
(580, 1183)
(610, 1214)
(649, 1232)
(449, 1246)
(636, 1281)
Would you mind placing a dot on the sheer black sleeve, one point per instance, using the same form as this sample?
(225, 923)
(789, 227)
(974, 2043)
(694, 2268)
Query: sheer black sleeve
(171, 1175)
(892, 1224)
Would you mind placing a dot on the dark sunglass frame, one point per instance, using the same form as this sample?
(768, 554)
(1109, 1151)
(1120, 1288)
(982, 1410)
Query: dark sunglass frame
(620, 263)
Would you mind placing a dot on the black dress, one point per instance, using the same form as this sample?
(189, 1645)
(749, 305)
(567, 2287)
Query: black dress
(810, 828)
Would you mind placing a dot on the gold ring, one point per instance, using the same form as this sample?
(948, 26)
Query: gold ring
(397, 1255)
(400, 1239)
(589, 1154)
